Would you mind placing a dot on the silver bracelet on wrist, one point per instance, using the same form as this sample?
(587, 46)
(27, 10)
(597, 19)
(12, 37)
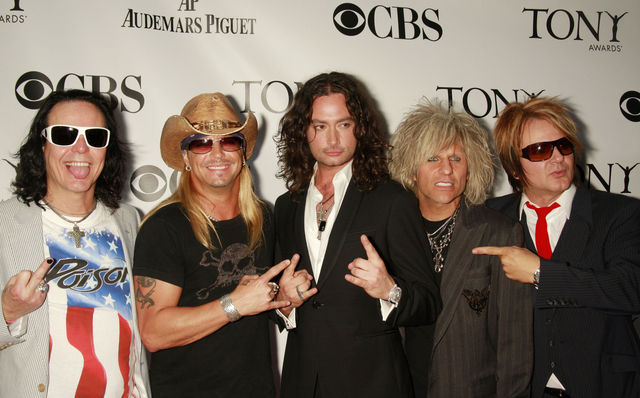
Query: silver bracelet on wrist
(229, 309)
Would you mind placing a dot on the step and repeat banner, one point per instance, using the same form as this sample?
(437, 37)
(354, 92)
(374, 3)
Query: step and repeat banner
(152, 56)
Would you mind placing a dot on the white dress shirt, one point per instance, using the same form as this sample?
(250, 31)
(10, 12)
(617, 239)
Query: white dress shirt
(555, 223)
(318, 247)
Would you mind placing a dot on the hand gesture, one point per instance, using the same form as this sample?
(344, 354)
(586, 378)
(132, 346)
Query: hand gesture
(254, 294)
(295, 286)
(518, 263)
(22, 294)
(370, 273)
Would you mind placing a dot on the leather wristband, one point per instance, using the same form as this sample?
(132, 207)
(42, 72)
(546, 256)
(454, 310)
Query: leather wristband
(229, 309)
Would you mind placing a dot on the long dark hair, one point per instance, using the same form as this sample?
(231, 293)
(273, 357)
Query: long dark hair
(30, 184)
(370, 162)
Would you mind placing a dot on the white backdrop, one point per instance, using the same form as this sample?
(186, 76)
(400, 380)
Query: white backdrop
(153, 56)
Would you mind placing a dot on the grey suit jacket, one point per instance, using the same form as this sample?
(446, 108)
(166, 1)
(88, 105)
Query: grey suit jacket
(482, 344)
(24, 360)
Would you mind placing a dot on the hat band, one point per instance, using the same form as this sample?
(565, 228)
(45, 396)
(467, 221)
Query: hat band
(212, 125)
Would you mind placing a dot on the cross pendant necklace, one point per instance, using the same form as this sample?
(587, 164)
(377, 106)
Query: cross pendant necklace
(77, 233)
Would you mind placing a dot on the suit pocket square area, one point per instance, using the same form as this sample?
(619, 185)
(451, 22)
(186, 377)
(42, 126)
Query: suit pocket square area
(477, 299)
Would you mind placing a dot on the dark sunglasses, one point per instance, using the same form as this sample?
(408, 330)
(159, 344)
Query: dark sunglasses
(228, 143)
(64, 135)
(543, 150)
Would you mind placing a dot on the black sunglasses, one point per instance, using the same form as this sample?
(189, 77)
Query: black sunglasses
(540, 151)
(229, 143)
(65, 135)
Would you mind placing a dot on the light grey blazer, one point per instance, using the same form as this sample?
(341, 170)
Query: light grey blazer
(24, 360)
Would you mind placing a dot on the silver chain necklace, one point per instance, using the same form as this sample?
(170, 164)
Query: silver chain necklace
(439, 240)
(322, 215)
(77, 233)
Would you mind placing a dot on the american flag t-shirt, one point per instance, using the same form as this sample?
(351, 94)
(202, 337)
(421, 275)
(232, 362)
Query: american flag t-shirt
(90, 309)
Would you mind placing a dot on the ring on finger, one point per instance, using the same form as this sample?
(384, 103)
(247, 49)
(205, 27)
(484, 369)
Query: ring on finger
(300, 294)
(43, 287)
(274, 288)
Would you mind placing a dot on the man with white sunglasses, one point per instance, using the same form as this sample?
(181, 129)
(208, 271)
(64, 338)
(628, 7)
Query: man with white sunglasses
(68, 326)
(583, 257)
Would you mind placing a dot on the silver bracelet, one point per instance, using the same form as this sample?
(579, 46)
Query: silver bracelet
(229, 309)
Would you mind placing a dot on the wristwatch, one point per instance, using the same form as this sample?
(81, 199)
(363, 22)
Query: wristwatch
(394, 295)
(536, 278)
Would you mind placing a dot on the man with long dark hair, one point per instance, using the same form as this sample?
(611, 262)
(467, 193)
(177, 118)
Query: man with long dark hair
(68, 325)
(358, 245)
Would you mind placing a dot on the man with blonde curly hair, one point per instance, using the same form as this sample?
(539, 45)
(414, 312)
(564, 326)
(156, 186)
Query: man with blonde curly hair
(481, 344)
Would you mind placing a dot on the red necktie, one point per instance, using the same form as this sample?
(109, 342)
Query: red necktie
(542, 236)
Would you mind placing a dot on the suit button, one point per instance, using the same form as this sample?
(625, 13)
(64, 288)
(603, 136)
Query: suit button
(316, 304)
(552, 364)
(547, 321)
(41, 387)
(550, 343)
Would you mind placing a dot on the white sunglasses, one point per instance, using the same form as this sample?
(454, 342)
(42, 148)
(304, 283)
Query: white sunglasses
(66, 135)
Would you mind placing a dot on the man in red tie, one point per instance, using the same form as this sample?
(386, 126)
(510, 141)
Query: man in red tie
(582, 257)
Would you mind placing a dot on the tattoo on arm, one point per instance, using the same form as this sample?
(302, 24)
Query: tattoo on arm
(143, 299)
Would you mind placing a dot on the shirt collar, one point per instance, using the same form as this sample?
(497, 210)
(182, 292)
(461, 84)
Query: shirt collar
(340, 181)
(565, 200)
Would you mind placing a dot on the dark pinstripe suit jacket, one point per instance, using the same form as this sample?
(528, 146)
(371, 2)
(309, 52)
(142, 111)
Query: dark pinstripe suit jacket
(589, 290)
(481, 345)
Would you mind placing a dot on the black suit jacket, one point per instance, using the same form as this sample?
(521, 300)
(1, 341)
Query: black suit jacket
(482, 343)
(340, 341)
(588, 292)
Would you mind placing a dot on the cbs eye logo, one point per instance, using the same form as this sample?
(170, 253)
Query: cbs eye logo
(32, 88)
(349, 19)
(630, 105)
(148, 183)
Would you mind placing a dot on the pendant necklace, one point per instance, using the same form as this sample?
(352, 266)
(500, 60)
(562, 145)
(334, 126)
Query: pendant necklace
(321, 215)
(439, 241)
(77, 233)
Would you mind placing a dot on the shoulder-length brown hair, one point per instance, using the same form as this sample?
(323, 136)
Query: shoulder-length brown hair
(507, 133)
(294, 155)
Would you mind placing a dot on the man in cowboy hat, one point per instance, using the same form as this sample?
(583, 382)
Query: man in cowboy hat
(198, 258)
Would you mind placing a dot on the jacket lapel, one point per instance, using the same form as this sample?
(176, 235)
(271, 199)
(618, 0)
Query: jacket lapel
(28, 223)
(456, 267)
(344, 219)
(577, 229)
(299, 236)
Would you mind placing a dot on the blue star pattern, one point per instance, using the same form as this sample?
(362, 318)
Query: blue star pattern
(94, 275)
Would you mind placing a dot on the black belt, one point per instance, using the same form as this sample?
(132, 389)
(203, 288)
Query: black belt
(555, 392)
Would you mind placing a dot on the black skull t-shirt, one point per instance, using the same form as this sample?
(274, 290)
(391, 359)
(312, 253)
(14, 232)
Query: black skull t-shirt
(220, 363)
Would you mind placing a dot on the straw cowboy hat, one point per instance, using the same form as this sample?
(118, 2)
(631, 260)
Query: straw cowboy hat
(209, 114)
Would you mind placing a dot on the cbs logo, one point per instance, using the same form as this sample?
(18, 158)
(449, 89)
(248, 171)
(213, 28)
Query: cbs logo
(630, 105)
(149, 183)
